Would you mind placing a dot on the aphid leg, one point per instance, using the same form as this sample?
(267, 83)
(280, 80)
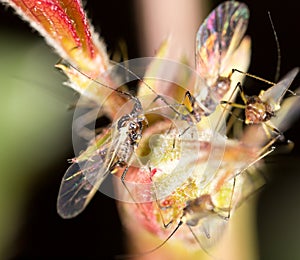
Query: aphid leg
(255, 77)
(192, 101)
(231, 198)
(266, 150)
(235, 115)
(190, 116)
(267, 126)
(124, 184)
(130, 194)
(158, 96)
(233, 104)
(166, 225)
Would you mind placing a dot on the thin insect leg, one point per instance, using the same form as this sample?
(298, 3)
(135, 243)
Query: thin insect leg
(123, 176)
(264, 152)
(194, 117)
(265, 127)
(232, 120)
(124, 184)
(238, 86)
(254, 191)
(269, 144)
(273, 128)
(158, 96)
(192, 102)
(255, 77)
(263, 80)
(241, 92)
(233, 104)
(159, 207)
(231, 198)
(130, 194)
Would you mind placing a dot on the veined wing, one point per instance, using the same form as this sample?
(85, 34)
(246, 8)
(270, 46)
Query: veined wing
(274, 95)
(218, 37)
(83, 178)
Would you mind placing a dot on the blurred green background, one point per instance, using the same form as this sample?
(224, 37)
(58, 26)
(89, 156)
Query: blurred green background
(35, 140)
(35, 127)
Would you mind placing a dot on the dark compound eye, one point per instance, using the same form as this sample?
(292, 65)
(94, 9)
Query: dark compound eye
(135, 137)
(132, 126)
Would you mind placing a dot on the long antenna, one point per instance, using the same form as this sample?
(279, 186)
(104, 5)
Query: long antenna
(277, 74)
(153, 91)
(98, 82)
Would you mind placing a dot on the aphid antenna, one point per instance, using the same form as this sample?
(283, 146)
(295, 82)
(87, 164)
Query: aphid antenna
(277, 73)
(266, 150)
(248, 196)
(158, 96)
(127, 94)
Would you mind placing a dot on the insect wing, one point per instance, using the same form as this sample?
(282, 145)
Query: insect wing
(83, 178)
(78, 186)
(275, 94)
(288, 113)
(218, 37)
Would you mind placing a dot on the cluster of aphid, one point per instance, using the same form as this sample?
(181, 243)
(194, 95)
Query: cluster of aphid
(168, 146)
(193, 173)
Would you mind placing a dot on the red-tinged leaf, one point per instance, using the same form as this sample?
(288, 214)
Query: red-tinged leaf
(66, 28)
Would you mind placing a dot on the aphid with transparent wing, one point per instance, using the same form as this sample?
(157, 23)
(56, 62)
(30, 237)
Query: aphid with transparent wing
(111, 150)
(262, 108)
(220, 46)
(117, 151)
(78, 185)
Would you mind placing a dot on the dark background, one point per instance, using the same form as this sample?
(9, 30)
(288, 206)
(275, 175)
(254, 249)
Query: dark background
(98, 233)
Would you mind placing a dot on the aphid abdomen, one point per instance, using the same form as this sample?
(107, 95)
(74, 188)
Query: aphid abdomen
(221, 87)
